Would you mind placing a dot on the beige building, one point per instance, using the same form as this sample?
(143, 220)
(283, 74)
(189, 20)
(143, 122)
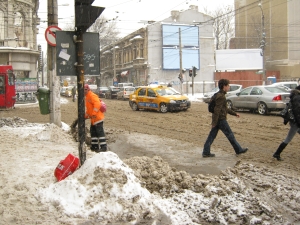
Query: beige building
(151, 54)
(18, 32)
(279, 20)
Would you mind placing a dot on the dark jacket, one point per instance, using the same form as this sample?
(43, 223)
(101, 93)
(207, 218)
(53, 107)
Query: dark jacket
(295, 100)
(221, 110)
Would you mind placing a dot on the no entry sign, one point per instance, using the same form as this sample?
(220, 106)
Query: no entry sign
(50, 35)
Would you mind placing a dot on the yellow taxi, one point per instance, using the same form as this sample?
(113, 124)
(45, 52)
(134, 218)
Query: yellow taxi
(159, 98)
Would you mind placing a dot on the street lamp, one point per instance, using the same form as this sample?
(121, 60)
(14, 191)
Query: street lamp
(263, 42)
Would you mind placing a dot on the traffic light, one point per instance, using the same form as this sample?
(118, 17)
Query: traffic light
(86, 14)
(194, 71)
(190, 73)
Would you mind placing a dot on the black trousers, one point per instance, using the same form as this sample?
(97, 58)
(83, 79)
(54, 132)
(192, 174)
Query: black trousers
(98, 139)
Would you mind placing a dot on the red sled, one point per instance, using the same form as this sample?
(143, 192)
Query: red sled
(66, 167)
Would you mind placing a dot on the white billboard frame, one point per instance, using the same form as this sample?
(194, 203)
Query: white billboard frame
(239, 59)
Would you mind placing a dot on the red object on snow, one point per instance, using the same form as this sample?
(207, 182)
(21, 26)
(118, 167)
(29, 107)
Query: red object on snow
(66, 167)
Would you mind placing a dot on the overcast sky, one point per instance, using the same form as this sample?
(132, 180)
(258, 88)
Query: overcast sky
(129, 14)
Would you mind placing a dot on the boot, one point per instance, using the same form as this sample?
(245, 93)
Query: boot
(279, 150)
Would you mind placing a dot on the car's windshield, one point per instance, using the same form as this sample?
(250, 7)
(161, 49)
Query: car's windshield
(166, 91)
(276, 90)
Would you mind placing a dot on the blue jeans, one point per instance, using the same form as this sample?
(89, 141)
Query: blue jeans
(224, 127)
(293, 130)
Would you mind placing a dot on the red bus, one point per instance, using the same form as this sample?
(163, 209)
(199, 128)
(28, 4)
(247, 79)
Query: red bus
(7, 87)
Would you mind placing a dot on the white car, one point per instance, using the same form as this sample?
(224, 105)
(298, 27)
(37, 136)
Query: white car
(234, 88)
(125, 92)
(287, 85)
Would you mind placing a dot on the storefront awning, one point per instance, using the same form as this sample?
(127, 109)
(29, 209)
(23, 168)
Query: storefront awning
(124, 73)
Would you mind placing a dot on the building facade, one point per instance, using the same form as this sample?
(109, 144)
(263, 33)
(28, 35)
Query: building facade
(18, 32)
(148, 55)
(278, 21)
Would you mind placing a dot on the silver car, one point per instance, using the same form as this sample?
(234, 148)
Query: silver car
(234, 88)
(264, 99)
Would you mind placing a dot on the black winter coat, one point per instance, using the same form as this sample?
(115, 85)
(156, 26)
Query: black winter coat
(295, 100)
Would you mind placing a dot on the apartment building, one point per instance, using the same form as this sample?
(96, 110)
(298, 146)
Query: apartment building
(152, 54)
(278, 22)
(18, 32)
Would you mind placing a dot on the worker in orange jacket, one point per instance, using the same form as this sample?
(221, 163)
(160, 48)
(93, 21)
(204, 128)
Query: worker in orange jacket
(93, 112)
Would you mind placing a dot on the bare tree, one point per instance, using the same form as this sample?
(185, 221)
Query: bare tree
(223, 18)
(107, 29)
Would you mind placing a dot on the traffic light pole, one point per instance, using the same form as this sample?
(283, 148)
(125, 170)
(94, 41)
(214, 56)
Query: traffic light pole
(85, 16)
(80, 90)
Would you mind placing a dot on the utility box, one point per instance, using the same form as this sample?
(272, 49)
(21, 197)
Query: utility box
(271, 80)
(43, 95)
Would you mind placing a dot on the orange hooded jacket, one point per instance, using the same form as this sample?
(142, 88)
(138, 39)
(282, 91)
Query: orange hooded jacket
(92, 104)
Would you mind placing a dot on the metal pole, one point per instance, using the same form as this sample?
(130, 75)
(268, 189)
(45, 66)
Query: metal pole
(80, 89)
(43, 69)
(263, 42)
(180, 56)
(53, 81)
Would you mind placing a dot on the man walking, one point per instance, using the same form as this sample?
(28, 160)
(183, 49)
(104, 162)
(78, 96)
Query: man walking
(219, 122)
(93, 104)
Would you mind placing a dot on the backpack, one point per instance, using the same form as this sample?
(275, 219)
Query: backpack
(212, 103)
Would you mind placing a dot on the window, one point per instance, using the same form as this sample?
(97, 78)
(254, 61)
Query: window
(11, 78)
(256, 91)
(142, 92)
(151, 93)
(234, 87)
(245, 91)
(2, 84)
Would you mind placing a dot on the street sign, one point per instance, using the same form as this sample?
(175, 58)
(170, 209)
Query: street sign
(66, 53)
(50, 35)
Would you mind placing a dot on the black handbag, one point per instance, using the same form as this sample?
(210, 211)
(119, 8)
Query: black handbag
(287, 113)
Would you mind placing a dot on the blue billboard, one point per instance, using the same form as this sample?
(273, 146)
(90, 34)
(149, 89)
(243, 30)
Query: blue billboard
(189, 45)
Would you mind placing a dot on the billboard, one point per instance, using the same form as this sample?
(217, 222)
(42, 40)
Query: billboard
(66, 53)
(189, 45)
(239, 59)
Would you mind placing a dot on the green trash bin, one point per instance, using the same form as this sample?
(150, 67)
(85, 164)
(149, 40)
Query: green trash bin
(44, 100)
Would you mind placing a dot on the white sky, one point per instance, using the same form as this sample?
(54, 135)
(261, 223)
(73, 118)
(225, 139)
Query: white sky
(129, 13)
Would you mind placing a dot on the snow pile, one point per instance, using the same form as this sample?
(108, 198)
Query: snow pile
(104, 188)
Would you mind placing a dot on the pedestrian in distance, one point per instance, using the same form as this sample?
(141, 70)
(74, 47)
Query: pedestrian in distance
(294, 123)
(93, 112)
(219, 122)
(74, 93)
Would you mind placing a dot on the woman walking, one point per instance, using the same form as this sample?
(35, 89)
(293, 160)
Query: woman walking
(294, 124)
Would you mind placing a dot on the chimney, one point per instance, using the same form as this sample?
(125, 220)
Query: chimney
(194, 7)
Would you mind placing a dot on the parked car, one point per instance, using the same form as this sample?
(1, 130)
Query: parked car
(158, 98)
(101, 91)
(234, 88)
(288, 85)
(125, 92)
(63, 90)
(68, 92)
(112, 92)
(264, 99)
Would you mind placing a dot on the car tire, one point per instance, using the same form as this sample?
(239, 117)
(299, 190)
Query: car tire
(134, 106)
(229, 104)
(262, 108)
(163, 108)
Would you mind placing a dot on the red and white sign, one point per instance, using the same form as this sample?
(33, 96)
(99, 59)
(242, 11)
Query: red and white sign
(50, 35)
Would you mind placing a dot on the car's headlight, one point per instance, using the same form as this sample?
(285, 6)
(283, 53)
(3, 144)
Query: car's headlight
(172, 101)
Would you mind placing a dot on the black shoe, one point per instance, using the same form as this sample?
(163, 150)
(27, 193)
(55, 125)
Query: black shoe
(277, 157)
(208, 155)
(102, 149)
(244, 150)
(94, 149)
